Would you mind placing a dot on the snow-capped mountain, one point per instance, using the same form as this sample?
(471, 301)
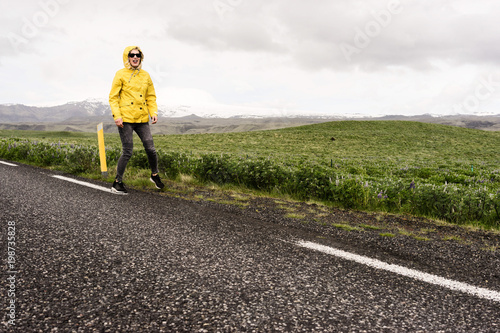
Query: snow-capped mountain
(15, 113)
(236, 111)
(92, 106)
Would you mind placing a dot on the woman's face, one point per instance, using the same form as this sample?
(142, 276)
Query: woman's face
(134, 57)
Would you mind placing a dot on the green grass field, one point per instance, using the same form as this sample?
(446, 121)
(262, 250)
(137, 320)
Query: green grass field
(393, 142)
(432, 170)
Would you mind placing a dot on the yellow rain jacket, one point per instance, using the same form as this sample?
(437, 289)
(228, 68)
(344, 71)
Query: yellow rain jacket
(132, 95)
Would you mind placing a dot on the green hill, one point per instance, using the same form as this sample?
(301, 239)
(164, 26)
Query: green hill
(359, 140)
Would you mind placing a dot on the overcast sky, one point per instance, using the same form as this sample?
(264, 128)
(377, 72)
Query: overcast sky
(338, 57)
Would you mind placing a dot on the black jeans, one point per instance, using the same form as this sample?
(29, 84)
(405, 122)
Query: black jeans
(127, 137)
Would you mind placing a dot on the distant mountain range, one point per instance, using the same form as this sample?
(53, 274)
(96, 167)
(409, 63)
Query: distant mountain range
(179, 119)
(19, 113)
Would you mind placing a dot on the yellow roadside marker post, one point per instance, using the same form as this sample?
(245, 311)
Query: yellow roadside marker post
(102, 151)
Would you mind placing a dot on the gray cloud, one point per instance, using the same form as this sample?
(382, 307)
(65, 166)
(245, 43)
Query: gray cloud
(247, 35)
(319, 35)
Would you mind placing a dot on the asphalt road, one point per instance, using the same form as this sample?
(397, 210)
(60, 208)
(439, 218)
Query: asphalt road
(86, 260)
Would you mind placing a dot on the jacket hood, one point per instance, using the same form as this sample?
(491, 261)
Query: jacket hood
(126, 63)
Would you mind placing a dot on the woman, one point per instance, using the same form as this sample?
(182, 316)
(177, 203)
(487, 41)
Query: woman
(133, 102)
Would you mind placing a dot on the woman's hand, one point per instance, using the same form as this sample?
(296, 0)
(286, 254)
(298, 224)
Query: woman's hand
(119, 122)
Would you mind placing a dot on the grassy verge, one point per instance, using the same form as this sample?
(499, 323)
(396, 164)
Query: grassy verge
(429, 170)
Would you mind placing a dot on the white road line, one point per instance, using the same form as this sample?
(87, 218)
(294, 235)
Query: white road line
(9, 164)
(425, 277)
(97, 187)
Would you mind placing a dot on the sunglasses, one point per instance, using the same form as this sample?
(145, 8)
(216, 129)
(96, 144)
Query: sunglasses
(131, 55)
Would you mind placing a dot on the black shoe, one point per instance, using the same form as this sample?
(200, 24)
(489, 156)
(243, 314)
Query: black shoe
(156, 179)
(118, 188)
